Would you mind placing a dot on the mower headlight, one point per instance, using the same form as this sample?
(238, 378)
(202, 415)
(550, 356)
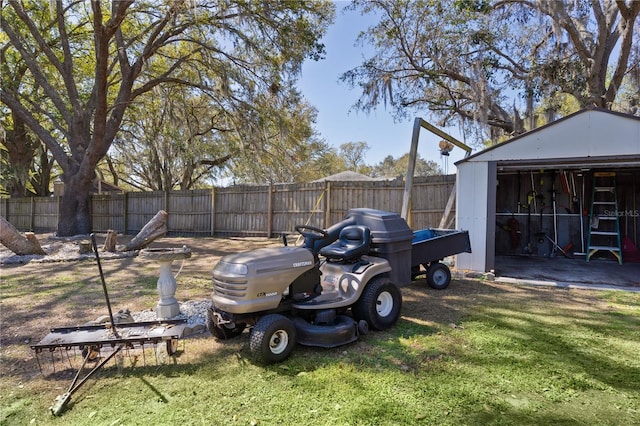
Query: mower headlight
(225, 268)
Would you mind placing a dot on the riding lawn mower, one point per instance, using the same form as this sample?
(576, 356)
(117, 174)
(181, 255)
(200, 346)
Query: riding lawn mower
(333, 288)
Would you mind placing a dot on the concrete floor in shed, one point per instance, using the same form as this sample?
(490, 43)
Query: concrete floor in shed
(568, 273)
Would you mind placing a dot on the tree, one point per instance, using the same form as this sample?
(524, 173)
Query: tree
(275, 141)
(464, 59)
(393, 167)
(353, 154)
(93, 60)
(19, 149)
(169, 140)
(25, 164)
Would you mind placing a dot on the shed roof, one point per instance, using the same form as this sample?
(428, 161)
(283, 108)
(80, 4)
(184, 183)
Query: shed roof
(587, 135)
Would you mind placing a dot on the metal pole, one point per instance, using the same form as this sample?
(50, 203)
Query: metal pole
(413, 152)
(104, 285)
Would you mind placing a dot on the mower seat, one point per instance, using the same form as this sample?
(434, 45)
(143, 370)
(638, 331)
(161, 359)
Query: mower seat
(353, 242)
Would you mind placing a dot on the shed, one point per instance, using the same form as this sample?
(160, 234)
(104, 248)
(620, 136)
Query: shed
(533, 195)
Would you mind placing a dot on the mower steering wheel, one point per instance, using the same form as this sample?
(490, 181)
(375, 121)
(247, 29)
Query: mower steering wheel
(312, 232)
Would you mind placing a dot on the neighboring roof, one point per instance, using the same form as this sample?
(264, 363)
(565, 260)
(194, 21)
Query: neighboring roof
(100, 186)
(588, 133)
(347, 176)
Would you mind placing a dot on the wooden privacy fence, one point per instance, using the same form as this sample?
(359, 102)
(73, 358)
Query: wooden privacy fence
(242, 210)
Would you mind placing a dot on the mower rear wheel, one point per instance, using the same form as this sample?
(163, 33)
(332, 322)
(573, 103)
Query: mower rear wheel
(363, 327)
(438, 276)
(379, 304)
(272, 339)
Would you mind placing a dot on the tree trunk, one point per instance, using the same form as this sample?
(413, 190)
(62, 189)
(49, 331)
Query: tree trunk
(85, 247)
(75, 216)
(11, 238)
(21, 150)
(155, 228)
(111, 241)
(41, 180)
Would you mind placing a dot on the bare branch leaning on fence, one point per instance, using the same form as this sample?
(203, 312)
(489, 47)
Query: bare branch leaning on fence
(155, 228)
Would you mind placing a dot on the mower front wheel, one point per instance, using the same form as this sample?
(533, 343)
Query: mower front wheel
(379, 304)
(272, 339)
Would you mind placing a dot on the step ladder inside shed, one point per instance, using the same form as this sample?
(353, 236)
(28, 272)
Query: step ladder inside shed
(604, 225)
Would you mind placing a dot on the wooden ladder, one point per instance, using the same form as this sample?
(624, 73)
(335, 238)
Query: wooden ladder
(604, 224)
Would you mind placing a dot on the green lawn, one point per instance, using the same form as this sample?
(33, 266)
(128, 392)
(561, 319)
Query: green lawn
(477, 353)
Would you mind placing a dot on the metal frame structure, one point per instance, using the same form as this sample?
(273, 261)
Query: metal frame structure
(419, 124)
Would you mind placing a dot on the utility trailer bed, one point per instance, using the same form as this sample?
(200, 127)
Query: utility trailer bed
(430, 246)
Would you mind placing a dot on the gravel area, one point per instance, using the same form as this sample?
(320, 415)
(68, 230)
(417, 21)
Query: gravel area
(194, 311)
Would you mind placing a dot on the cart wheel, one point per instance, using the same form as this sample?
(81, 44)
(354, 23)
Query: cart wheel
(172, 347)
(272, 339)
(379, 304)
(438, 276)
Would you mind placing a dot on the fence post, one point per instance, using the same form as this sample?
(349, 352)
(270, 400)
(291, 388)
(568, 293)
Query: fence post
(6, 210)
(165, 203)
(327, 203)
(213, 211)
(125, 213)
(32, 219)
(270, 210)
(59, 201)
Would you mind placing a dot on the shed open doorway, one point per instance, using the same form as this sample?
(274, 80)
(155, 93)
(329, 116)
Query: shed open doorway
(550, 220)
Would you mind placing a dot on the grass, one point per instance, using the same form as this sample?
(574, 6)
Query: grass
(506, 356)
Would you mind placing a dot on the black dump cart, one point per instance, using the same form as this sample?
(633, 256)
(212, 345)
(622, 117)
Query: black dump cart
(430, 246)
(408, 250)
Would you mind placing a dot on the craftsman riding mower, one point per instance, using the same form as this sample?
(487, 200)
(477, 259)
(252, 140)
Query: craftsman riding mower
(324, 293)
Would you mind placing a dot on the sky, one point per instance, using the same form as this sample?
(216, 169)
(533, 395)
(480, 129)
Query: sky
(319, 84)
